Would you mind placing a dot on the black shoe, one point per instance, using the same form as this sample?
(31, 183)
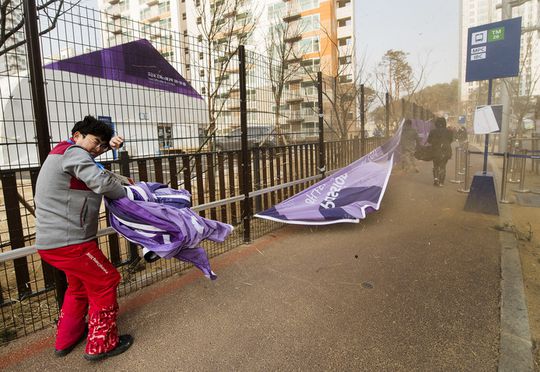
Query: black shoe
(435, 182)
(124, 343)
(67, 350)
(151, 256)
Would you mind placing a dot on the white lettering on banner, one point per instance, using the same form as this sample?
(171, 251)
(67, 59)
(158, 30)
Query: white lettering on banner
(165, 79)
(97, 262)
(312, 197)
(333, 194)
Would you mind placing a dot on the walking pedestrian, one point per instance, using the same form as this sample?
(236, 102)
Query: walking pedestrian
(69, 191)
(409, 141)
(440, 138)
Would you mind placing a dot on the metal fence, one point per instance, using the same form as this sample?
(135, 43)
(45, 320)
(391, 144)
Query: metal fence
(213, 128)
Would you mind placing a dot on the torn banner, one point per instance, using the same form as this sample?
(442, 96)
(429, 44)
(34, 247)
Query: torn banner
(345, 196)
(159, 219)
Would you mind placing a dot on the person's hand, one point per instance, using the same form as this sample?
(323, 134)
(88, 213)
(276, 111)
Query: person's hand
(116, 142)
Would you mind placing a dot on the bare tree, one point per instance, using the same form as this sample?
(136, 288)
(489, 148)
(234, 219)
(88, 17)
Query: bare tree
(280, 49)
(12, 21)
(223, 25)
(521, 88)
(396, 76)
(341, 86)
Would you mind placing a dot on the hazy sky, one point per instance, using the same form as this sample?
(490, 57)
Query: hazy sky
(426, 29)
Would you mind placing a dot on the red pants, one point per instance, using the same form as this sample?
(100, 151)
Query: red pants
(92, 282)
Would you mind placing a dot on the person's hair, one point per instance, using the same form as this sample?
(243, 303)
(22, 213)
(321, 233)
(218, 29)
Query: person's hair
(440, 122)
(407, 123)
(91, 125)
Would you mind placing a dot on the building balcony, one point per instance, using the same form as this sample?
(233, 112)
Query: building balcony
(112, 2)
(295, 117)
(295, 99)
(293, 39)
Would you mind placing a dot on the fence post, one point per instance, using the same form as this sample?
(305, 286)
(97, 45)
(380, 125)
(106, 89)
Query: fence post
(123, 159)
(245, 168)
(15, 229)
(322, 159)
(387, 117)
(39, 105)
(39, 101)
(362, 121)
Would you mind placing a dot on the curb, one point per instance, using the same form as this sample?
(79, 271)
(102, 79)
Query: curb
(515, 348)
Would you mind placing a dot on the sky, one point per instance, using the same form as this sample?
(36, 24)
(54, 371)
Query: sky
(426, 29)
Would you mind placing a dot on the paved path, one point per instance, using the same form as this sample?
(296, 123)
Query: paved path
(415, 287)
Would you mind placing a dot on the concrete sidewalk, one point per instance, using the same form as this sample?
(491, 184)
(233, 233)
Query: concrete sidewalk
(414, 287)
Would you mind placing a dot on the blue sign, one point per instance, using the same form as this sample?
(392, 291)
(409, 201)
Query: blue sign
(461, 119)
(108, 120)
(493, 50)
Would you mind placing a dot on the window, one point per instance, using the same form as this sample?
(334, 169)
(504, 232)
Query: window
(199, 20)
(345, 60)
(310, 23)
(311, 65)
(346, 41)
(203, 90)
(343, 3)
(201, 55)
(184, 16)
(201, 73)
(308, 4)
(164, 135)
(344, 22)
(309, 45)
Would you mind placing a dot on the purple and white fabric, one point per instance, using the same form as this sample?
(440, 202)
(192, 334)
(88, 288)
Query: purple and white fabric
(159, 218)
(347, 195)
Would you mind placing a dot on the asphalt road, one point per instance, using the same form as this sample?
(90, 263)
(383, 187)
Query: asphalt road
(414, 287)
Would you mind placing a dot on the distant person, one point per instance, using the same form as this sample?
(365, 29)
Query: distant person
(69, 191)
(409, 141)
(440, 138)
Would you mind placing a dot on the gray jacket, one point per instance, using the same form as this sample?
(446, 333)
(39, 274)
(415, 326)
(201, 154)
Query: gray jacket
(69, 191)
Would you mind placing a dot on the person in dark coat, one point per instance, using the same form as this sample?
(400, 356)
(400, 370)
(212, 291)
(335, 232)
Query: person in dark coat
(409, 140)
(440, 138)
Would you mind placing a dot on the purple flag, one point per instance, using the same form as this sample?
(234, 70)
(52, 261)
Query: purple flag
(159, 218)
(136, 62)
(347, 195)
(423, 128)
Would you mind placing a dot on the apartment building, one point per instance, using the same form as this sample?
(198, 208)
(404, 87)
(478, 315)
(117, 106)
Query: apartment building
(324, 42)
(322, 36)
(14, 61)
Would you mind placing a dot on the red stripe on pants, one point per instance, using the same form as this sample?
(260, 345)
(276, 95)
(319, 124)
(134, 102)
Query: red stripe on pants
(92, 282)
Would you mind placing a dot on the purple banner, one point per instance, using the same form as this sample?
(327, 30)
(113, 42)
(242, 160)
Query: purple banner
(423, 128)
(137, 62)
(348, 195)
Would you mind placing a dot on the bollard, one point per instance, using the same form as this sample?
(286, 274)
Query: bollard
(457, 165)
(504, 200)
(522, 188)
(465, 186)
(514, 162)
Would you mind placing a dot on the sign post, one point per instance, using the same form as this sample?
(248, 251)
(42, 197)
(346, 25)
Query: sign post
(493, 51)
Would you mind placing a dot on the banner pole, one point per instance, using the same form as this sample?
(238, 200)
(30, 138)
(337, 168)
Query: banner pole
(486, 143)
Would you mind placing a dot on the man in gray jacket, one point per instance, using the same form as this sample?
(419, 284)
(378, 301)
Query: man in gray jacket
(69, 192)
